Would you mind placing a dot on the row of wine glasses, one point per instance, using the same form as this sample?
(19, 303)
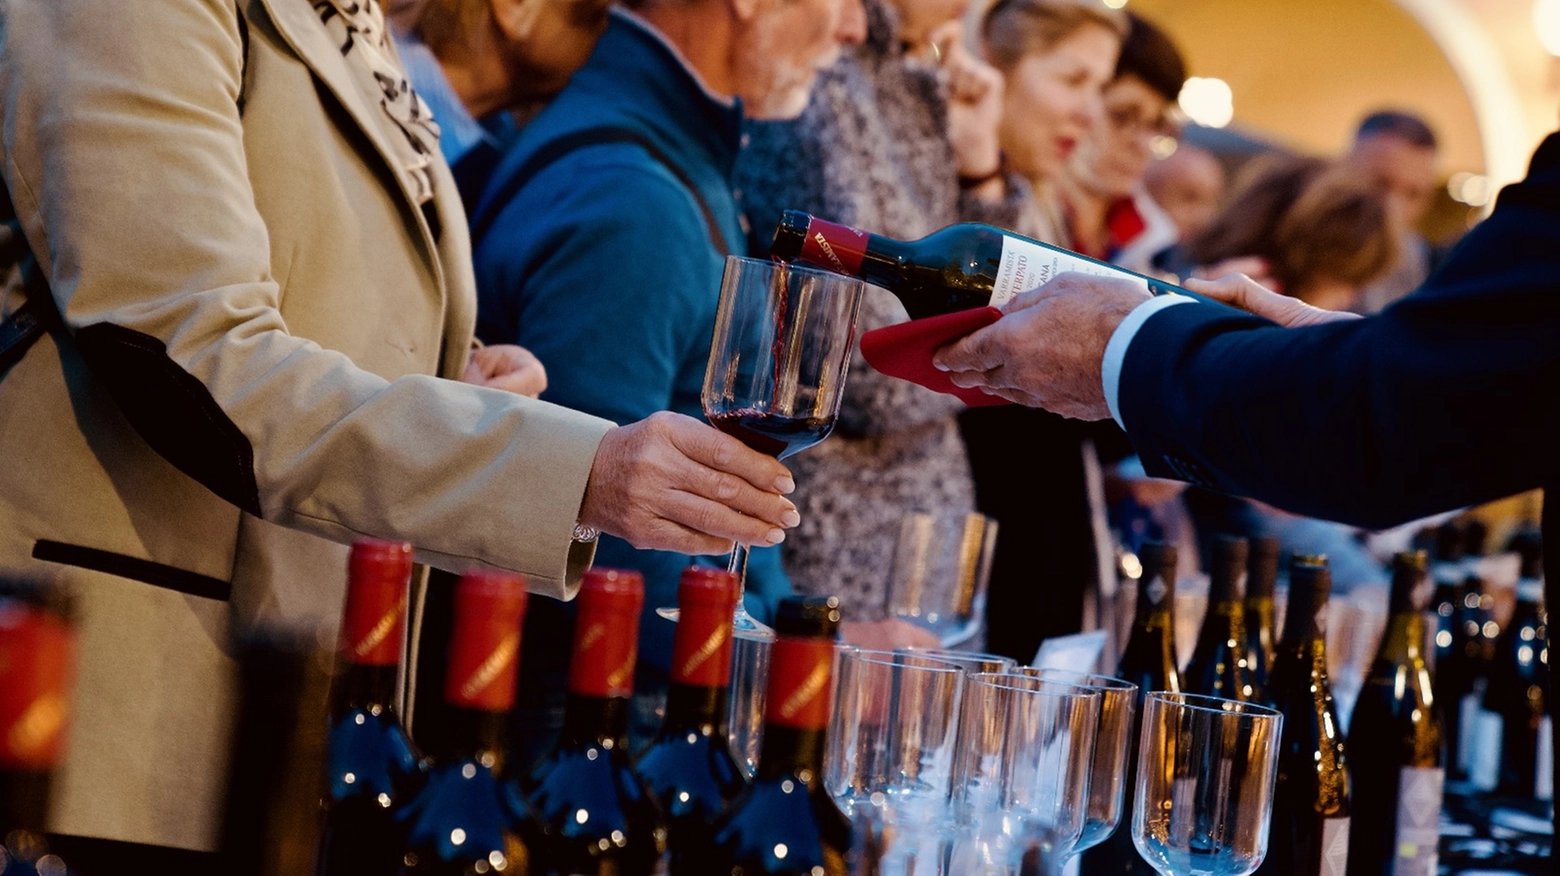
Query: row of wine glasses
(962, 763)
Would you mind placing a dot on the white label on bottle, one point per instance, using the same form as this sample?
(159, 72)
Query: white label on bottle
(1027, 265)
(1544, 763)
(1418, 821)
(1468, 709)
(1335, 847)
(1485, 735)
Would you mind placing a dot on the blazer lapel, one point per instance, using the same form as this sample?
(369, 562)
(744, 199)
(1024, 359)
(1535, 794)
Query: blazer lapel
(299, 24)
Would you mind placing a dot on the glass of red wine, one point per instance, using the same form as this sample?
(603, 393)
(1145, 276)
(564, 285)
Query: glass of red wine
(778, 360)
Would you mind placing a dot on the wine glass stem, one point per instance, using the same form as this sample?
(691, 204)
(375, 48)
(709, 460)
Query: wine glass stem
(738, 566)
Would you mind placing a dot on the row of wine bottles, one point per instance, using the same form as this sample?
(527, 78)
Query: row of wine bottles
(1368, 806)
(682, 806)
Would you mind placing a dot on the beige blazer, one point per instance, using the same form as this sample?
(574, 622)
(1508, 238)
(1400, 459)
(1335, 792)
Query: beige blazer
(248, 288)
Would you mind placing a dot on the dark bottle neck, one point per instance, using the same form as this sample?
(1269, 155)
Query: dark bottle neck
(1403, 642)
(24, 800)
(364, 687)
(791, 752)
(1305, 619)
(590, 720)
(471, 734)
(885, 261)
(692, 708)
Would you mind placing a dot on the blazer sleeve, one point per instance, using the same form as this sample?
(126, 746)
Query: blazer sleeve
(1448, 398)
(125, 155)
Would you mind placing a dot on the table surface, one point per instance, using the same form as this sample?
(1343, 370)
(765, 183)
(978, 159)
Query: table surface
(1486, 835)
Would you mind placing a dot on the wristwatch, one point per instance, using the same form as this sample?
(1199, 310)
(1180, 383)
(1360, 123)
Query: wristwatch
(583, 533)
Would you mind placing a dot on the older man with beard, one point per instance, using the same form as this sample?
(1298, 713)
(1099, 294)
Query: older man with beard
(601, 238)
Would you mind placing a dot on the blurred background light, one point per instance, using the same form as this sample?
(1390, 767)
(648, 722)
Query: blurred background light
(1546, 21)
(1208, 101)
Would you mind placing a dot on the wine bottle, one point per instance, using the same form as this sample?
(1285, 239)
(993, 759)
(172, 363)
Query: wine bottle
(1476, 618)
(468, 819)
(785, 822)
(689, 767)
(1220, 665)
(1149, 662)
(960, 267)
(37, 659)
(371, 767)
(1512, 753)
(1261, 614)
(597, 815)
(1310, 827)
(1452, 667)
(1395, 754)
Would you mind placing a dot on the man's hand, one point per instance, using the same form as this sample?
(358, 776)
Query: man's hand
(1239, 290)
(1046, 350)
(672, 483)
(507, 367)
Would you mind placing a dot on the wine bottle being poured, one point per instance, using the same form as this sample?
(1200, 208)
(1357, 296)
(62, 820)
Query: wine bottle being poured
(960, 267)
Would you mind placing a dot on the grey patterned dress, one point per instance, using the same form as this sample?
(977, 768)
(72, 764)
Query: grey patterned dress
(871, 151)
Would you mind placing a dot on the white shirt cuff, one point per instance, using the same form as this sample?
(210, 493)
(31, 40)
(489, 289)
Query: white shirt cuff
(1121, 338)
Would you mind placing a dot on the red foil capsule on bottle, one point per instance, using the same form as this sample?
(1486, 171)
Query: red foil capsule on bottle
(799, 674)
(373, 623)
(37, 650)
(836, 247)
(606, 633)
(485, 641)
(701, 650)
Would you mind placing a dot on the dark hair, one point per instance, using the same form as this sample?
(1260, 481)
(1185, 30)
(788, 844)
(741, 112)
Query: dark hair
(1148, 54)
(1311, 219)
(1396, 123)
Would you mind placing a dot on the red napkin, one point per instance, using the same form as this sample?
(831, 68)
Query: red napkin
(905, 350)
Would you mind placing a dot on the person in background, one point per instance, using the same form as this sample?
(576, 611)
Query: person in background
(1397, 151)
(1189, 185)
(600, 244)
(1320, 228)
(900, 139)
(1034, 472)
(1109, 215)
(481, 64)
(1056, 57)
(255, 285)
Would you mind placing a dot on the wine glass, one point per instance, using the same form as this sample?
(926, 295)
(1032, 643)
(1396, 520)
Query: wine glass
(778, 360)
(1206, 771)
(1108, 775)
(1023, 763)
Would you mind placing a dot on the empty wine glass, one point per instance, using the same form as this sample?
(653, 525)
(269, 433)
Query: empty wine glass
(1023, 763)
(972, 661)
(1108, 776)
(1206, 770)
(942, 565)
(776, 374)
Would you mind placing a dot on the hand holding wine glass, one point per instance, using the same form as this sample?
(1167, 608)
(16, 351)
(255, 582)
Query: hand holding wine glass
(669, 482)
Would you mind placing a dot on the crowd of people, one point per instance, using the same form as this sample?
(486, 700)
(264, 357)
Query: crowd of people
(446, 271)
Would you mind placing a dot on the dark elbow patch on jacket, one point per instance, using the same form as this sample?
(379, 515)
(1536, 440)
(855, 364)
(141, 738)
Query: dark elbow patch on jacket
(172, 411)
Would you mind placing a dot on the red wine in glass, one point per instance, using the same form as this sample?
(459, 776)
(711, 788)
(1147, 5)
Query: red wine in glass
(774, 434)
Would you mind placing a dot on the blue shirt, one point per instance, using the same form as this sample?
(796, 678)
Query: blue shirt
(602, 264)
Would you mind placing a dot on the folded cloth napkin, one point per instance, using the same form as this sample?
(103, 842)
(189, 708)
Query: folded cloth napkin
(905, 350)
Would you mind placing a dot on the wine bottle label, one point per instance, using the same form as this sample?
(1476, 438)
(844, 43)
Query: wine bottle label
(836, 247)
(799, 683)
(1483, 739)
(1027, 265)
(374, 623)
(1418, 821)
(701, 651)
(1335, 847)
(1544, 763)
(35, 671)
(1468, 709)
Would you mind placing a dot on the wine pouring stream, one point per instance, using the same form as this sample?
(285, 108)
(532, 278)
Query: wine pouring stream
(776, 374)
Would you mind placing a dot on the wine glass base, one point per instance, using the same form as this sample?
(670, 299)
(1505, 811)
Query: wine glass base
(743, 626)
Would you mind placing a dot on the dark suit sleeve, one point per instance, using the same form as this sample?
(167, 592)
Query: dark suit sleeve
(1449, 398)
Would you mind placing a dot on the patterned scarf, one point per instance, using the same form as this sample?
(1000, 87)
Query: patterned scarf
(358, 26)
